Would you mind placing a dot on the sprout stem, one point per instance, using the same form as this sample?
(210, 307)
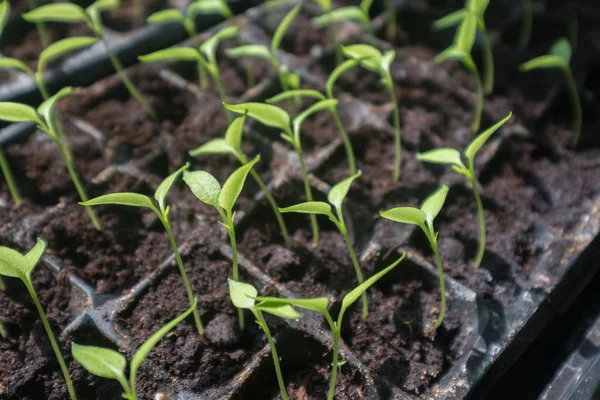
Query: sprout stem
(41, 27)
(481, 216)
(334, 364)
(265, 327)
(488, 64)
(359, 275)
(10, 180)
(186, 282)
(397, 138)
(390, 27)
(440, 269)
(470, 65)
(346, 140)
(308, 194)
(55, 347)
(202, 78)
(221, 91)
(527, 24)
(234, 261)
(576, 102)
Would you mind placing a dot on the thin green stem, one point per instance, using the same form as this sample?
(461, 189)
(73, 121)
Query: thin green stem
(481, 217)
(265, 327)
(576, 102)
(334, 364)
(41, 27)
(470, 65)
(346, 141)
(308, 194)
(186, 282)
(397, 138)
(228, 220)
(438, 262)
(10, 180)
(527, 24)
(359, 275)
(390, 27)
(55, 346)
(286, 88)
(129, 393)
(488, 64)
(202, 77)
(221, 90)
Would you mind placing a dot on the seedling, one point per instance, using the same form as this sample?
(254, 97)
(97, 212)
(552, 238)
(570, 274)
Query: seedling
(46, 119)
(331, 17)
(15, 265)
(277, 118)
(373, 60)
(336, 197)
(232, 144)
(205, 56)
(206, 188)
(321, 305)
(243, 297)
(162, 212)
(72, 13)
(460, 51)
(453, 157)
(477, 7)
(423, 217)
(527, 24)
(110, 364)
(560, 57)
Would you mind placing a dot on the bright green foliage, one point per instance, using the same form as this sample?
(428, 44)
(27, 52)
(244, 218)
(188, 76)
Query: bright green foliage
(16, 265)
(110, 364)
(423, 217)
(320, 305)
(453, 157)
(560, 58)
(372, 59)
(243, 296)
(162, 212)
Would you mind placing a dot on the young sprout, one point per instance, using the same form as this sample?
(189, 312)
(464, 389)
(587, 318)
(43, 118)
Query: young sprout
(72, 13)
(460, 50)
(453, 157)
(243, 297)
(477, 7)
(232, 144)
(276, 117)
(423, 217)
(349, 13)
(560, 57)
(336, 197)
(206, 188)
(373, 60)
(188, 21)
(46, 119)
(16, 265)
(320, 305)
(205, 56)
(527, 24)
(110, 364)
(162, 212)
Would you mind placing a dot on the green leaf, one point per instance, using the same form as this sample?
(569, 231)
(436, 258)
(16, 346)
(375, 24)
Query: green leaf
(543, 62)
(266, 114)
(249, 50)
(387, 59)
(291, 79)
(234, 184)
(166, 17)
(465, 36)
(13, 263)
(214, 146)
(34, 255)
(8, 62)
(242, 294)
(16, 112)
(209, 47)
(444, 155)
(451, 53)
(318, 304)
(405, 215)
(310, 207)
(163, 189)
(476, 144)
(103, 5)
(62, 47)
(172, 54)
(235, 130)
(57, 12)
(562, 49)
(338, 192)
(209, 7)
(123, 199)
(327, 104)
(369, 56)
(4, 14)
(283, 27)
(432, 205)
(449, 20)
(365, 6)
(351, 297)
(100, 361)
(350, 13)
(281, 311)
(143, 351)
(337, 72)
(292, 94)
(47, 107)
(324, 4)
(204, 186)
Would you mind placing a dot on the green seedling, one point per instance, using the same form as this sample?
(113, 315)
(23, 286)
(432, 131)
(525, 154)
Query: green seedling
(110, 364)
(460, 50)
(373, 60)
(46, 119)
(560, 58)
(276, 117)
(243, 297)
(423, 217)
(321, 305)
(527, 24)
(188, 21)
(232, 145)
(72, 13)
(331, 17)
(477, 7)
(336, 197)
(205, 56)
(15, 265)
(162, 212)
(206, 188)
(453, 158)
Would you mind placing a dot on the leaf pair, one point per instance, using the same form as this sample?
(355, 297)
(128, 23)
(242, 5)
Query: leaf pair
(72, 13)
(559, 57)
(349, 13)
(16, 265)
(196, 8)
(243, 295)
(372, 59)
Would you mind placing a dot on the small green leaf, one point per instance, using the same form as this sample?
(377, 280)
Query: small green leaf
(405, 215)
(166, 17)
(34, 255)
(235, 130)
(209, 7)
(338, 192)
(47, 107)
(324, 4)
(476, 144)
(7, 62)
(465, 36)
(209, 47)
(163, 189)
(318, 304)
(310, 207)
(264, 113)
(351, 297)
(123, 199)
(365, 6)
(172, 54)
(369, 56)
(283, 27)
(282, 311)
(449, 20)
(242, 294)
(16, 112)
(297, 93)
(432, 205)
(443, 155)
(214, 146)
(234, 184)
(4, 14)
(562, 49)
(204, 186)
(103, 5)
(13, 263)
(327, 104)
(337, 72)
(291, 79)
(387, 59)
(350, 13)
(57, 12)
(100, 361)
(451, 53)
(543, 62)
(249, 50)
(62, 47)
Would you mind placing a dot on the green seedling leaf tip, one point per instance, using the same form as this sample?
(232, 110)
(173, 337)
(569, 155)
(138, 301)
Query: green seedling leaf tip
(266, 114)
(338, 192)
(405, 215)
(163, 189)
(100, 361)
(432, 205)
(234, 184)
(242, 295)
(476, 144)
(204, 186)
